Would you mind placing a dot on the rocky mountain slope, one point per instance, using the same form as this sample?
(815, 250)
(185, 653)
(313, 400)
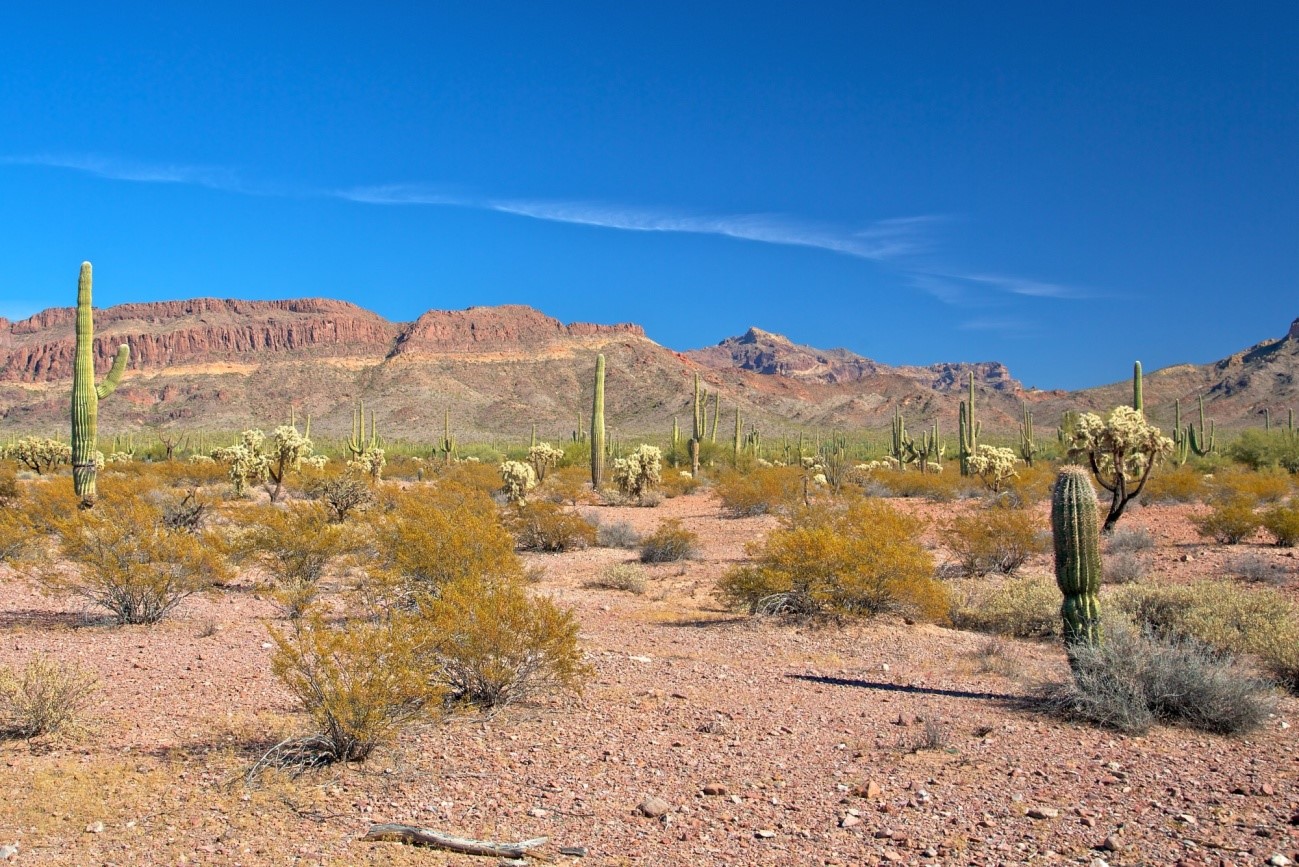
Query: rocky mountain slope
(221, 365)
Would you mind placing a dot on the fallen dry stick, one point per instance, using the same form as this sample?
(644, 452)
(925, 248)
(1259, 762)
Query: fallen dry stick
(428, 837)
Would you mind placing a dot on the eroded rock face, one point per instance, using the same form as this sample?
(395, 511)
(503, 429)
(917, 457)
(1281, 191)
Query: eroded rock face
(485, 328)
(203, 330)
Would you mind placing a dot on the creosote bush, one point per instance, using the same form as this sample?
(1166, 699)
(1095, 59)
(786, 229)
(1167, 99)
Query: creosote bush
(1027, 607)
(627, 577)
(1131, 681)
(996, 539)
(1231, 521)
(491, 644)
(293, 547)
(1170, 484)
(45, 697)
(1255, 486)
(545, 526)
(342, 493)
(860, 557)
(763, 491)
(121, 557)
(669, 542)
(567, 485)
(1282, 523)
(360, 682)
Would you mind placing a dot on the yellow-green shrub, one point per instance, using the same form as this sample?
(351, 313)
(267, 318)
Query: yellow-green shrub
(995, 538)
(567, 485)
(491, 644)
(860, 557)
(1283, 523)
(1173, 484)
(762, 491)
(294, 547)
(940, 487)
(1261, 486)
(669, 542)
(677, 483)
(1032, 484)
(1230, 521)
(539, 525)
(360, 681)
(1027, 607)
(45, 697)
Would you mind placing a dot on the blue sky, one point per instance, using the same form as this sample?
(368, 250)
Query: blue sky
(1065, 188)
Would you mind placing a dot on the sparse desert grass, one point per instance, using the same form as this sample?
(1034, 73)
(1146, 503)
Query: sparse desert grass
(45, 697)
(617, 534)
(627, 577)
(1024, 607)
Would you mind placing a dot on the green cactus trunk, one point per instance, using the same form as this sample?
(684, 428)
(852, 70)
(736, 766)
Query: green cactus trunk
(1138, 401)
(1075, 530)
(700, 421)
(86, 395)
(597, 426)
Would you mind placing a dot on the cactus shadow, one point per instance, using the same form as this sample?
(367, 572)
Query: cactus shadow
(910, 690)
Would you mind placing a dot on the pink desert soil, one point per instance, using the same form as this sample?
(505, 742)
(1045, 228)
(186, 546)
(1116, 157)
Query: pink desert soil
(770, 744)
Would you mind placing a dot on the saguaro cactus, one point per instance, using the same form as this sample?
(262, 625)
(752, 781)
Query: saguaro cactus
(1076, 533)
(967, 430)
(86, 395)
(597, 426)
(1138, 401)
(700, 421)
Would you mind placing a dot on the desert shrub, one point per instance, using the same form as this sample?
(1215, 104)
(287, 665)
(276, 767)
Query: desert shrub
(10, 494)
(639, 473)
(293, 547)
(1032, 484)
(940, 487)
(1124, 567)
(491, 644)
(1256, 569)
(1223, 615)
(1255, 486)
(424, 538)
(996, 539)
(50, 502)
(1131, 681)
(178, 474)
(121, 557)
(567, 485)
(1129, 540)
(544, 526)
(341, 493)
(668, 543)
(1171, 484)
(479, 476)
(1261, 449)
(677, 483)
(1230, 521)
(1027, 607)
(45, 697)
(1282, 522)
(627, 577)
(618, 534)
(763, 491)
(183, 511)
(360, 682)
(859, 557)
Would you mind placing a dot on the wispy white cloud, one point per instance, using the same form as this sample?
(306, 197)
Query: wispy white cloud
(213, 177)
(1002, 325)
(885, 239)
(1022, 286)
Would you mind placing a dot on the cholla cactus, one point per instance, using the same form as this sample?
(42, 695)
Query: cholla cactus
(201, 459)
(247, 463)
(370, 461)
(285, 451)
(639, 472)
(994, 465)
(1121, 450)
(316, 461)
(38, 453)
(517, 478)
(120, 458)
(543, 456)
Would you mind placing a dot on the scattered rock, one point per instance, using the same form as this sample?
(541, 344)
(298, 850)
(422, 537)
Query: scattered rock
(538, 813)
(1042, 812)
(1279, 860)
(849, 821)
(715, 789)
(765, 834)
(1112, 843)
(8, 852)
(653, 807)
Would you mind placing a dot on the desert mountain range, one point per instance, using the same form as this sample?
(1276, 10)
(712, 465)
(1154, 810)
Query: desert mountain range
(223, 365)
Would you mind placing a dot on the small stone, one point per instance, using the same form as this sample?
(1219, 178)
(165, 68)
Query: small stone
(8, 852)
(873, 790)
(652, 807)
(1279, 860)
(715, 789)
(573, 851)
(764, 834)
(849, 822)
(1187, 558)
(538, 813)
(1186, 819)
(640, 659)
(1112, 843)
(1087, 822)
(1267, 789)
(894, 857)
(95, 828)
(1042, 812)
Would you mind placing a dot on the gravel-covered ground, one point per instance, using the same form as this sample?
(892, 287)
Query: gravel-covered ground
(749, 743)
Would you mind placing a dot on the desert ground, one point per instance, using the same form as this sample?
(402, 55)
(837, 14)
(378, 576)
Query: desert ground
(748, 742)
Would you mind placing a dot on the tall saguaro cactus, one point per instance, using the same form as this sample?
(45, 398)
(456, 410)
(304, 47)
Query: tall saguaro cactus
(597, 426)
(86, 395)
(700, 422)
(1138, 400)
(1076, 533)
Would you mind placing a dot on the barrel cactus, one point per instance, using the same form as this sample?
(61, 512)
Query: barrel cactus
(1076, 532)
